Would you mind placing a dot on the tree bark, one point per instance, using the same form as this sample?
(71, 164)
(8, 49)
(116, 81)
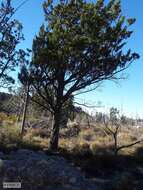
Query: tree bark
(24, 111)
(115, 144)
(19, 113)
(54, 141)
(55, 131)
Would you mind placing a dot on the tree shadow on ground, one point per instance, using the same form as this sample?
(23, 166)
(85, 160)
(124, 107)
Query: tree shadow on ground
(111, 172)
(104, 163)
(139, 152)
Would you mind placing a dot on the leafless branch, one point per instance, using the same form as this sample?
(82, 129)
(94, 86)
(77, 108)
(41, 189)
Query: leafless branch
(86, 105)
(129, 145)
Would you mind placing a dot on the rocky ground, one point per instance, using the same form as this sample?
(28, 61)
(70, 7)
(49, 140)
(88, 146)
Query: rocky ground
(37, 170)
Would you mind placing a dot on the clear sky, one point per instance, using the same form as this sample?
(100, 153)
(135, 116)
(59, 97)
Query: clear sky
(129, 94)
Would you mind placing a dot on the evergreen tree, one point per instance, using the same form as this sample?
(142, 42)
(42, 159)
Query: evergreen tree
(10, 37)
(81, 46)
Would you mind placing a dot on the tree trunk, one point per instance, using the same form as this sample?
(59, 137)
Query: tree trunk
(24, 111)
(18, 118)
(55, 132)
(115, 144)
(19, 113)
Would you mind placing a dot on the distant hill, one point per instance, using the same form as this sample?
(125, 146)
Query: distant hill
(9, 105)
(4, 98)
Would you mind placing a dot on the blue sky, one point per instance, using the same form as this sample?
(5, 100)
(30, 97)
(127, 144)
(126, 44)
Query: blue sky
(128, 95)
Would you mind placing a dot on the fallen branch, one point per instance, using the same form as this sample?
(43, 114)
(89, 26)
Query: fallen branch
(129, 145)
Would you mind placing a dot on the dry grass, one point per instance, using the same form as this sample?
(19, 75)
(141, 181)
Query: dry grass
(97, 141)
(7, 119)
(82, 140)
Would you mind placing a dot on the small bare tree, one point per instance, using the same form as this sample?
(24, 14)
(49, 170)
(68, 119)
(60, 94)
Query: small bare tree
(113, 126)
(24, 78)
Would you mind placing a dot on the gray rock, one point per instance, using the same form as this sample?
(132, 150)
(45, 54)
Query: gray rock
(43, 171)
(11, 173)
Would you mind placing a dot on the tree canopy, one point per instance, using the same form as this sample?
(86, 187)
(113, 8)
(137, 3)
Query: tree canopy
(10, 37)
(80, 45)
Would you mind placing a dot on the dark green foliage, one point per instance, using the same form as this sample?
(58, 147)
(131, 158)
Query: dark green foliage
(10, 37)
